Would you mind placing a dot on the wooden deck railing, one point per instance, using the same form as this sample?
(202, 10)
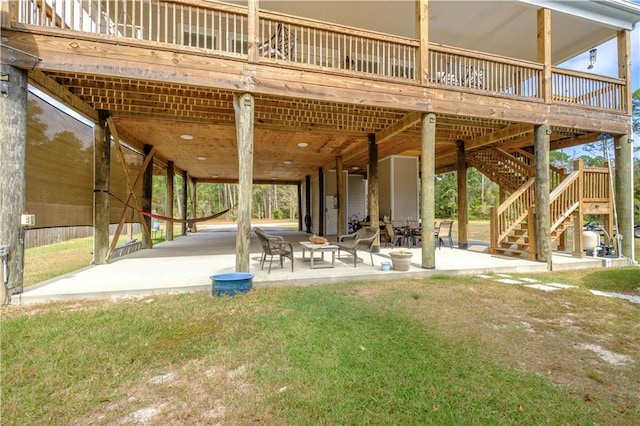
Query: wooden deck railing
(474, 70)
(220, 28)
(584, 89)
(308, 42)
(596, 186)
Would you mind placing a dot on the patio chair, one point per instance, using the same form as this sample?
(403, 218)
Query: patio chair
(363, 239)
(273, 245)
(444, 233)
(282, 44)
(392, 237)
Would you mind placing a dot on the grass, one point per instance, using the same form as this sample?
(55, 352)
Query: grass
(46, 262)
(428, 351)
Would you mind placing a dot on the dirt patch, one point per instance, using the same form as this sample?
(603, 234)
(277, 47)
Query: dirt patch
(195, 393)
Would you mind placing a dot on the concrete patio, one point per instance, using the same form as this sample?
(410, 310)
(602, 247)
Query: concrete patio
(187, 263)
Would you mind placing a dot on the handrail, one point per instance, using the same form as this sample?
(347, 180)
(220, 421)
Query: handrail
(556, 175)
(564, 199)
(584, 89)
(511, 212)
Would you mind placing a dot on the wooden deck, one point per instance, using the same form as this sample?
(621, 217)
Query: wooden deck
(166, 68)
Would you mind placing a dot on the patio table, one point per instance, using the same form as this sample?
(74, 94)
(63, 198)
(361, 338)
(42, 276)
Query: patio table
(319, 248)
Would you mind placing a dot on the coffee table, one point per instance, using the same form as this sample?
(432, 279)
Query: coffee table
(319, 248)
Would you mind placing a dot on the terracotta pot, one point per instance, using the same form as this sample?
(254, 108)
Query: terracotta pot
(401, 261)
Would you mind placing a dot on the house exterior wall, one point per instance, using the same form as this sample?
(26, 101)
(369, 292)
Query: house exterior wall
(384, 187)
(405, 187)
(356, 197)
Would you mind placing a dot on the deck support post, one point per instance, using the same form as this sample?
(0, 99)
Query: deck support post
(13, 145)
(307, 205)
(544, 51)
(244, 106)
(184, 199)
(542, 190)
(253, 25)
(578, 220)
(373, 190)
(427, 189)
(422, 34)
(623, 147)
(321, 208)
(463, 202)
(168, 207)
(341, 195)
(299, 193)
(147, 194)
(101, 202)
(193, 203)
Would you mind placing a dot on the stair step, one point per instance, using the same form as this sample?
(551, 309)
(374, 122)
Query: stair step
(509, 252)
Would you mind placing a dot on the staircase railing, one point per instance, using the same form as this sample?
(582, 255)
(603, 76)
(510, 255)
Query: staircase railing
(556, 174)
(565, 199)
(501, 167)
(508, 215)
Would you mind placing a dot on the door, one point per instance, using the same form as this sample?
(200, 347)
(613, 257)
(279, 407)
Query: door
(331, 216)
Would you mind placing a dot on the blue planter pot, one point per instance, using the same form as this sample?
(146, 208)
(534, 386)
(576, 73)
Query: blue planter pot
(231, 283)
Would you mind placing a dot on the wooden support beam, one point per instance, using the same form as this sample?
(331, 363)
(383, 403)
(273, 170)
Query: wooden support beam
(578, 219)
(193, 202)
(373, 189)
(422, 34)
(623, 148)
(168, 209)
(542, 199)
(498, 136)
(544, 51)
(299, 193)
(427, 190)
(321, 208)
(147, 193)
(253, 26)
(101, 184)
(13, 144)
(342, 205)
(463, 202)
(624, 67)
(307, 204)
(62, 94)
(244, 106)
(184, 200)
(132, 197)
(398, 127)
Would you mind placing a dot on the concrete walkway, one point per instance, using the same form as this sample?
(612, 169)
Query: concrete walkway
(187, 263)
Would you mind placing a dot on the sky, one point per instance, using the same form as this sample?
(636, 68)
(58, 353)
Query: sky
(607, 64)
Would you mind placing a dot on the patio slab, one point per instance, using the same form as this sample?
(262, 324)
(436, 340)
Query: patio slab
(187, 263)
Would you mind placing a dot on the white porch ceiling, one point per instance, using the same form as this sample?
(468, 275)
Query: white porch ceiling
(505, 28)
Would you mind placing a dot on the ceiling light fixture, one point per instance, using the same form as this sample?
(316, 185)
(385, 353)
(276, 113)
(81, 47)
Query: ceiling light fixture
(355, 168)
(303, 144)
(288, 162)
(186, 137)
(202, 158)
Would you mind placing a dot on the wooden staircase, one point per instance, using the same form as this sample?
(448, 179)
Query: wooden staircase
(513, 222)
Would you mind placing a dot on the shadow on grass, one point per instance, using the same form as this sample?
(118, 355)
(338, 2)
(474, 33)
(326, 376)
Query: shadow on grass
(625, 280)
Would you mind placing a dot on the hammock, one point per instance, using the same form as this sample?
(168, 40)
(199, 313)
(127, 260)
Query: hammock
(173, 219)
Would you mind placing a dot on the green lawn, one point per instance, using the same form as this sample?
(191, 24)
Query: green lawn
(432, 351)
